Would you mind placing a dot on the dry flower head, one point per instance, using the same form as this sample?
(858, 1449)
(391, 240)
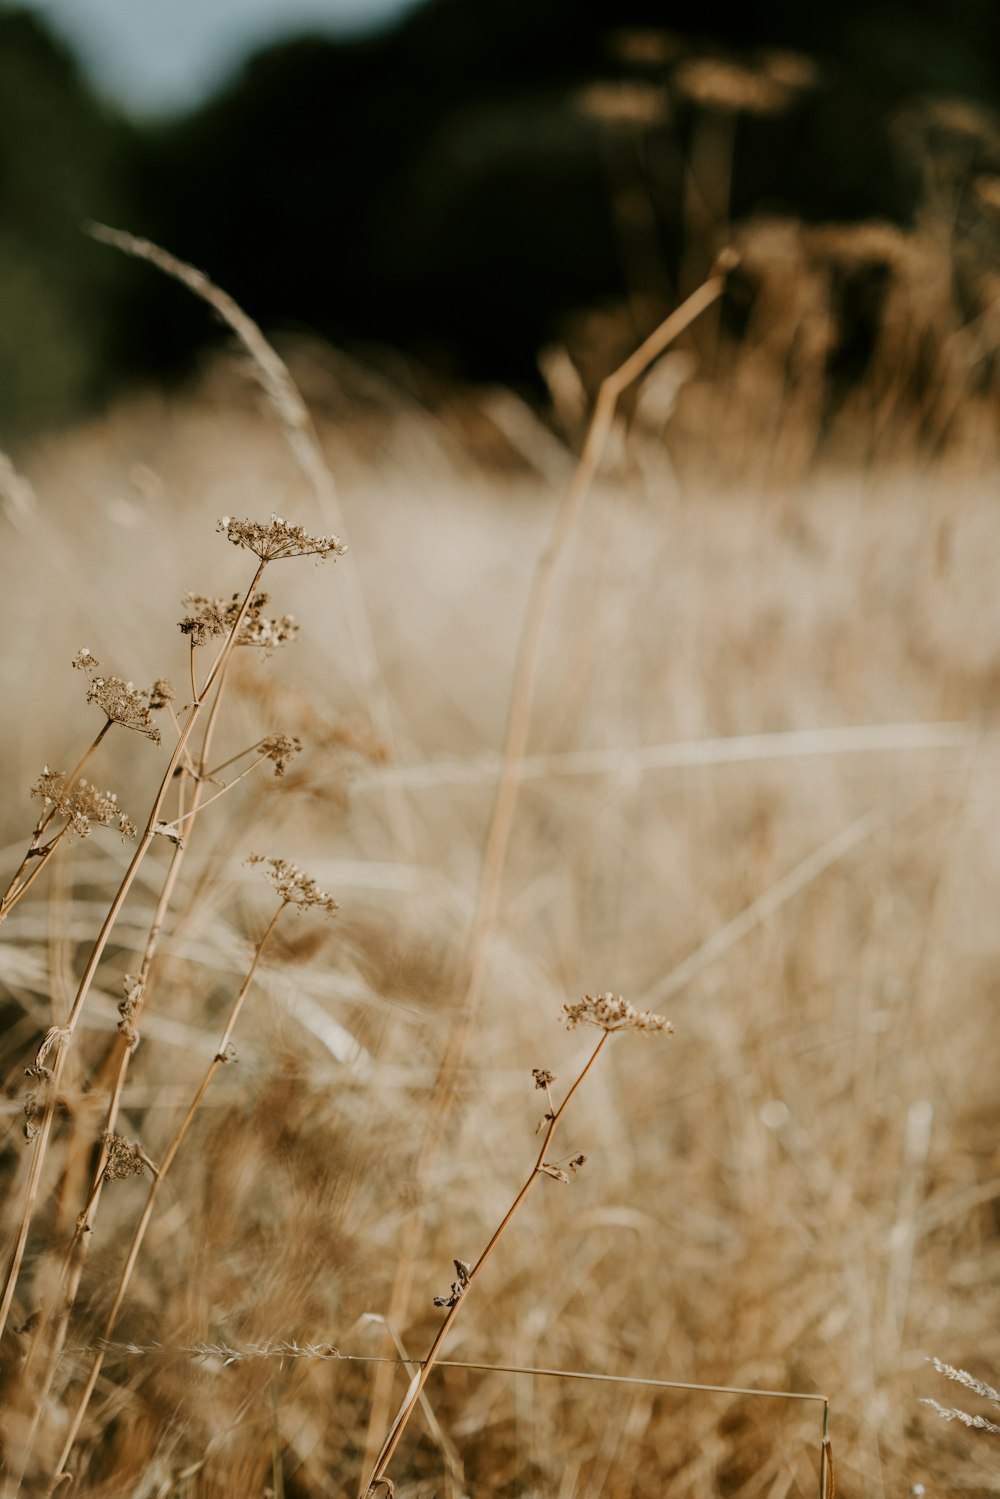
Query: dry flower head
(280, 749)
(82, 804)
(610, 1012)
(278, 538)
(294, 886)
(716, 83)
(119, 700)
(208, 618)
(124, 1159)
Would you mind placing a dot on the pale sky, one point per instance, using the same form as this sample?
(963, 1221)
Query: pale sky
(155, 56)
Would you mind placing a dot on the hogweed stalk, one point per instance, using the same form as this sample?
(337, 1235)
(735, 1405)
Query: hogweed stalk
(610, 1014)
(294, 888)
(270, 541)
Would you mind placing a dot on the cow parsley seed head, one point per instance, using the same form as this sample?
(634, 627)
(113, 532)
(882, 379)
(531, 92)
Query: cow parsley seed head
(278, 538)
(294, 885)
(279, 749)
(119, 700)
(212, 617)
(83, 804)
(610, 1012)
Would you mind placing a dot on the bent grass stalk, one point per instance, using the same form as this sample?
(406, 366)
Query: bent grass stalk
(221, 1057)
(519, 707)
(610, 1014)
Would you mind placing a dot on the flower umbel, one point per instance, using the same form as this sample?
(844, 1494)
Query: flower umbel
(211, 617)
(610, 1012)
(294, 885)
(83, 804)
(118, 700)
(279, 749)
(278, 538)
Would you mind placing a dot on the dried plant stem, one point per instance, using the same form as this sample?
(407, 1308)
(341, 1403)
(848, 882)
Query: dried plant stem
(76, 1251)
(37, 856)
(220, 1058)
(63, 1034)
(420, 1379)
(194, 810)
(505, 796)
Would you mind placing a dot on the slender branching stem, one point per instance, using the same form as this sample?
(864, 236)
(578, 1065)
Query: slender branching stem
(417, 1384)
(65, 1033)
(193, 812)
(219, 1059)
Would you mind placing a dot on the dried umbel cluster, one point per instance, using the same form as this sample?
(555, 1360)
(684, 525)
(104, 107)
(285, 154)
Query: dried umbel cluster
(278, 538)
(120, 701)
(610, 1012)
(209, 618)
(83, 805)
(295, 887)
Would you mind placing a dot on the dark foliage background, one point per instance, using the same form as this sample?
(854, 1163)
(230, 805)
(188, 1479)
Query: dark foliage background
(438, 188)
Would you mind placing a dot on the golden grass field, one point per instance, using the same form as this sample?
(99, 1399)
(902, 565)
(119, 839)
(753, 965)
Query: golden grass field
(759, 795)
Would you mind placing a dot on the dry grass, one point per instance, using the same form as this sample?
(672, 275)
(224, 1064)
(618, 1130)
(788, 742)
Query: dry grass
(797, 1194)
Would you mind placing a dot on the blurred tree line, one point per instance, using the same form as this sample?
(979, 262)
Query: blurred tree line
(456, 187)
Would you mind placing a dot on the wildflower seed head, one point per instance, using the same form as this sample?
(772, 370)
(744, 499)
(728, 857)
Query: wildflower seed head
(84, 805)
(279, 749)
(294, 885)
(543, 1078)
(160, 694)
(278, 538)
(118, 700)
(208, 618)
(610, 1012)
(123, 1159)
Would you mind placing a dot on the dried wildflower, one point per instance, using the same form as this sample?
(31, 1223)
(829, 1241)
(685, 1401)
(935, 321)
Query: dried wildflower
(118, 700)
(83, 805)
(458, 1285)
(277, 539)
(229, 1055)
(279, 749)
(543, 1078)
(715, 83)
(208, 618)
(610, 1012)
(124, 1159)
(160, 694)
(294, 885)
(621, 102)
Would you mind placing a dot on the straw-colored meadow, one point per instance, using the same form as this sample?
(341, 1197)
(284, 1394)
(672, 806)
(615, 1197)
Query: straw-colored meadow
(756, 793)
